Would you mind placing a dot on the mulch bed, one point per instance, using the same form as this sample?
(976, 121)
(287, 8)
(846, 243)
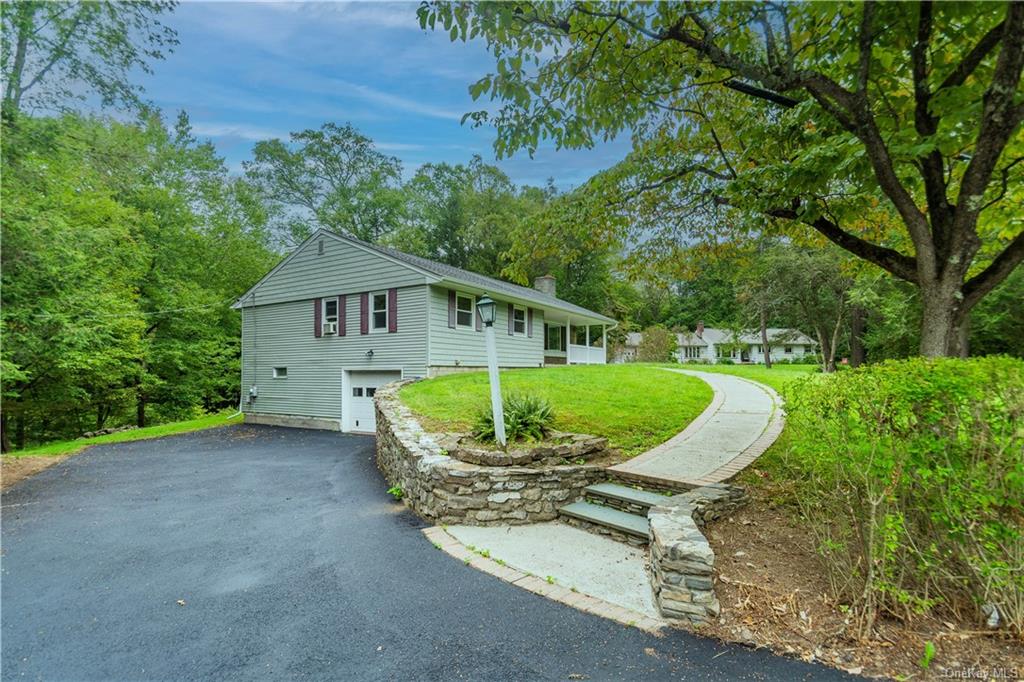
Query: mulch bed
(774, 593)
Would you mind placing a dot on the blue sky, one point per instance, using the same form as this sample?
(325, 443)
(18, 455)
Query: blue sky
(251, 71)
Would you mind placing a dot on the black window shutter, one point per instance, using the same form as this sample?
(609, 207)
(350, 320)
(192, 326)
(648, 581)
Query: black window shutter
(318, 328)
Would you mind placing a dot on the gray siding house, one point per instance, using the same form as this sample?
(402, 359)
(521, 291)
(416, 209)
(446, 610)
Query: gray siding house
(340, 317)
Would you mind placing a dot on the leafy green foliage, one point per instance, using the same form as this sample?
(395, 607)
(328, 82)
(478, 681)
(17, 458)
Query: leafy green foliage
(658, 345)
(332, 177)
(911, 475)
(55, 52)
(527, 417)
(891, 130)
(124, 246)
(396, 492)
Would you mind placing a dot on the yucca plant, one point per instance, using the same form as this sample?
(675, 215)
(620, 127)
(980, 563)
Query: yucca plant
(527, 417)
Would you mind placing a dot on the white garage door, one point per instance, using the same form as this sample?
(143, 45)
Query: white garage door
(361, 388)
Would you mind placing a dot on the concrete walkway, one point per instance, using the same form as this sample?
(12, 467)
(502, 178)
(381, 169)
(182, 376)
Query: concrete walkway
(590, 564)
(742, 421)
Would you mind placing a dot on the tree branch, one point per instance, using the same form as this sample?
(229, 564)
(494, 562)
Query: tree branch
(998, 270)
(930, 165)
(978, 53)
(865, 42)
(1000, 118)
(892, 261)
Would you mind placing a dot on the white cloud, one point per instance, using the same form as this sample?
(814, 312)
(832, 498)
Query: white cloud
(398, 147)
(366, 93)
(235, 130)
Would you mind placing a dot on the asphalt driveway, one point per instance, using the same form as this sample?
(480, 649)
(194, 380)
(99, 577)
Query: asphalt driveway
(291, 561)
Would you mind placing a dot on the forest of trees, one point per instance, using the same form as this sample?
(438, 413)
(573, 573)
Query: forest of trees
(126, 239)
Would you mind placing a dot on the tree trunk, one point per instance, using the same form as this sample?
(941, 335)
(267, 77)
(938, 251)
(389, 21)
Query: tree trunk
(764, 339)
(23, 19)
(939, 316)
(5, 438)
(827, 354)
(19, 431)
(963, 337)
(140, 411)
(858, 325)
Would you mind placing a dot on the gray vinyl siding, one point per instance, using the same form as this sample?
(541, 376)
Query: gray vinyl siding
(281, 335)
(342, 269)
(465, 347)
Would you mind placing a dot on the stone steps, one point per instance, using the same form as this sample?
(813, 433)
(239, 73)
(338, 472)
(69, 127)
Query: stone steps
(632, 526)
(624, 498)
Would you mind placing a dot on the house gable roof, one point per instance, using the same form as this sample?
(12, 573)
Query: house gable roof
(441, 273)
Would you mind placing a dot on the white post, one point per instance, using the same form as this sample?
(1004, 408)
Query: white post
(492, 371)
(568, 338)
(604, 341)
(588, 344)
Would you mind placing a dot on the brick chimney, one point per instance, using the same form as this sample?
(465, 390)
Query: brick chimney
(545, 284)
(700, 329)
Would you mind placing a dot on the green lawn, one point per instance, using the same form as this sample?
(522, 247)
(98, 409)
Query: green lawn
(70, 447)
(634, 406)
(777, 377)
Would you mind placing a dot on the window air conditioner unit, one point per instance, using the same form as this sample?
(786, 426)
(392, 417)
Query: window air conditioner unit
(330, 327)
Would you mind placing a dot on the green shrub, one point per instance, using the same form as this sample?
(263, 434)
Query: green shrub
(911, 474)
(527, 417)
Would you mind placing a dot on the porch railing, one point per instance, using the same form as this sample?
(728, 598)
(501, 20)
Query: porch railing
(586, 355)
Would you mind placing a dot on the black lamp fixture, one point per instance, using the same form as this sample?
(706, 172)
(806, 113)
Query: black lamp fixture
(369, 354)
(487, 308)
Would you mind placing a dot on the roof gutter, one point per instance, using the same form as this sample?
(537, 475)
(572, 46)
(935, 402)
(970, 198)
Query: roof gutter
(477, 289)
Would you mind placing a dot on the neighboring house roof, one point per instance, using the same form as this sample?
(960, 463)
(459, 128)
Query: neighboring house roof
(448, 273)
(716, 336)
(688, 339)
(777, 335)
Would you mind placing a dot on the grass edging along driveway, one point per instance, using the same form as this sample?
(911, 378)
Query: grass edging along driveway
(21, 464)
(635, 406)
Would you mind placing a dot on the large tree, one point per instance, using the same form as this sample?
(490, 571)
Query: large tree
(332, 177)
(53, 53)
(892, 130)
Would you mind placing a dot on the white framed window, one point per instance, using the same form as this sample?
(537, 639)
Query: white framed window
(787, 350)
(691, 352)
(519, 321)
(379, 311)
(330, 309)
(280, 372)
(464, 308)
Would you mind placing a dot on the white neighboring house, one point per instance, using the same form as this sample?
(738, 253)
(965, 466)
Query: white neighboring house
(628, 351)
(711, 345)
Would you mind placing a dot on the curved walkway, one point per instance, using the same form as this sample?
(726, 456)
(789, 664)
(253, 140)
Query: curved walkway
(742, 421)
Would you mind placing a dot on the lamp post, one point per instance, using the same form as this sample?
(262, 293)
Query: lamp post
(487, 309)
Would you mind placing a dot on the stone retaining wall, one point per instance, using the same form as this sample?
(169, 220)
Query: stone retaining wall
(682, 561)
(445, 490)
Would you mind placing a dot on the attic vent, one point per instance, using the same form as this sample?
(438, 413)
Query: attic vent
(320, 247)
